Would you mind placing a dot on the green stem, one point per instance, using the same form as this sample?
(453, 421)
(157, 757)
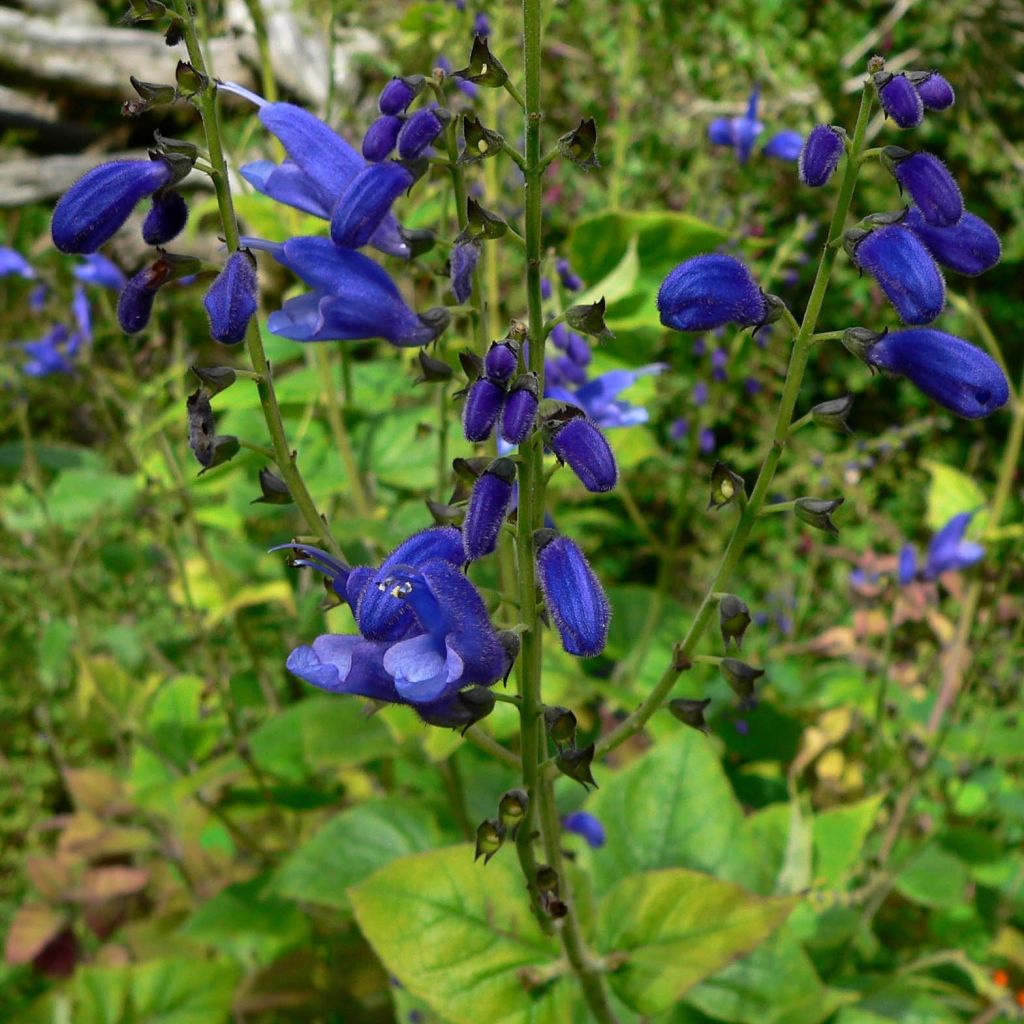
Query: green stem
(633, 723)
(259, 21)
(206, 103)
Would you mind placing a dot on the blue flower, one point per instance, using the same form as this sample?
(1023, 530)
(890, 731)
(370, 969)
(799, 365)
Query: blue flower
(574, 597)
(586, 825)
(709, 291)
(929, 183)
(520, 409)
(907, 569)
(398, 94)
(935, 91)
(352, 297)
(98, 270)
(599, 397)
(418, 133)
(489, 504)
(231, 301)
(820, 155)
(51, 353)
(12, 262)
(901, 101)
(380, 137)
(166, 218)
(585, 450)
(366, 202)
(970, 247)
(741, 133)
(949, 552)
(95, 207)
(483, 406)
(463, 262)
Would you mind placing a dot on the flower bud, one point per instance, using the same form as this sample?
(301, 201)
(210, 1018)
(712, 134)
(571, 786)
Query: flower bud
(232, 299)
(817, 512)
(520, 409)
(463, 262)
(969, 247)
(709, 291)
(419, 132)
(573, 595)
(899, 99)
(581, 446)
(483, 404)
(833, 413)
(741, 678)
(586, 825)
(380, 137)
(733, 619)
(483, 68)
(576, 764)
(570, 281)
(166, 218)
(898, 260)
(561, 725)
(501, 361)
(820, 155)
(726, 486)
(929, 183)
(135, 303)
(512, 808)
(935, 91)
(398, 94)
(489, 503)
(578, 350)
(489, 838)
(691, 712)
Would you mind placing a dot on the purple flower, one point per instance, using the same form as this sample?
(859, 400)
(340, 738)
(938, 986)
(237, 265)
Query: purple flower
(901, 101)
(489, 504)
(520, 410)
(98, 270)
(571, 281)
(574, 597)
(935, 91)
(929, 183)
(463, 261)
(586, 825)
(135, 303)
(483, 407)
(500, 362)
(481, 26)
(786, 145)
(741, 133)
(418, 133)
(585, 450)
(820, 155)
(232, 299)
(12, 262)
(380, 137)
(599, 397)
(949, 552)
(366, 202)
(679, 429)
(700, 393)
(907, 564)
(50, 354)
(166, 218)
(710, 291)
(706, 440)
(970, 247)
(397, 95)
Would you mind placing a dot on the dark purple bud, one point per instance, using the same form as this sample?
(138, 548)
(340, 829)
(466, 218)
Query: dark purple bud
(935, 91)
(898, 260)
(520, 409)
(489, 503)
(166, 218)
(582, 447)
(135, 303)
(929, 183)
(578, 350)
(571, 371)
(232, 300)
(380, 138)
(483, 405)
(570, 281)
(463, 262)
(96, 205)
(820, 155)
(741, 678)
(970, 247)
(481, 26)
(574, 762)
(899, 99)
(559, 336)
(398, 94)
(366, 202)
(501, 361)
(710, 291)
(545, 289)
(574, 596)
(418, 132)
(950, 371)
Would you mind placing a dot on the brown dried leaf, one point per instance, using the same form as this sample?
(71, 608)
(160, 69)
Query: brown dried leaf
(99, 884)
(34, 926)
(95, 790)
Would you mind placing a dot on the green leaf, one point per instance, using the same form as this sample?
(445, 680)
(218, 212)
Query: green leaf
(839, 836)
(676, 928)
(79, 495)
(318, 732)
(673, 807)
(934, 878)
(950, 493)
(618, 282)
(352, 846)
(456, 934)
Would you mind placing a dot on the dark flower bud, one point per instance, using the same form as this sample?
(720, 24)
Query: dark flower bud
(511, 644)
(225, 448)
(418, 132)
(589, 319)
(726, 486)
(463, 260)
(817, 512)
(275, 490)
(481, 142)
(483, 68)
(166, 218)
(561, 725)
(172, 148)
(584, 449)
(436, 321)
(935, 91)
(470, 470)
(380, 137)
(733, 619)
(741, 677)
(820, 155)
(398, 94)
(215, 378)
(833, 413)
(135, 303)
(472, 365)
(899, 99)
(433, 370)
(588, 826)
(898, 260)
(709, 291)
(573, 595)
(520, 408)
(202, 427)
(488, 506)
(482, 223)
(366, 202)
(175, 34)
(96, 206)
(512, 809)
(418, 240)
(189, 78)
(461, 710)
(151, 94)
(489, 838)
(929, 183)
(950, 371)
(570, 281)
(483, 405)
(969, 247)
(576, 764)
(501, 361)
(691, 712)
(580, 146)
(231, 301)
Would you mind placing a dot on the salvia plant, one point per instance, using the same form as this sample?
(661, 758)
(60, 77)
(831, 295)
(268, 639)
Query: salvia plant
(424, 633)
